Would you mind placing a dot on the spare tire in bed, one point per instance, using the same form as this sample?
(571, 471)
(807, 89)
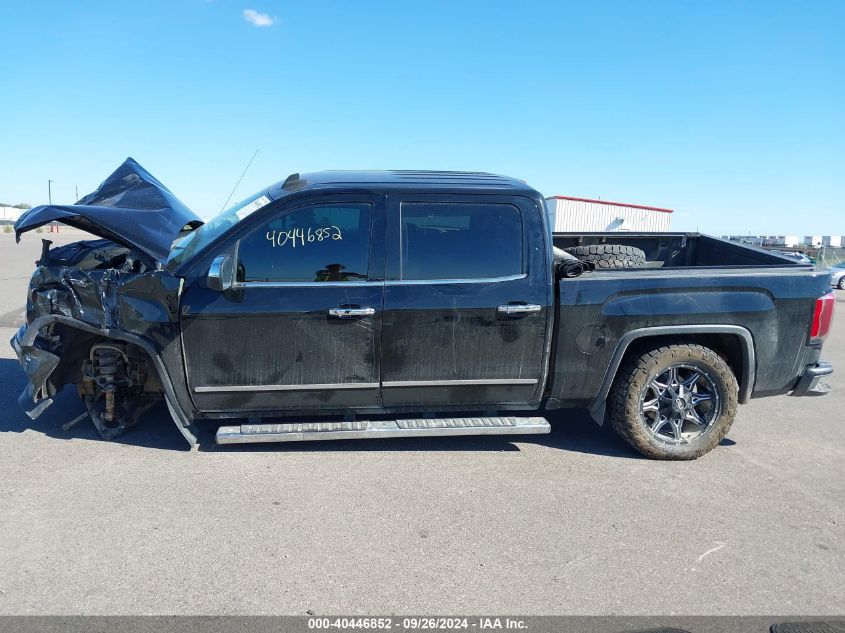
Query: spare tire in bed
(610, 255)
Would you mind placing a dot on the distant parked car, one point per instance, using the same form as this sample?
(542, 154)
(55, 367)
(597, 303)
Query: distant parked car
(799, 257)
(838, 278)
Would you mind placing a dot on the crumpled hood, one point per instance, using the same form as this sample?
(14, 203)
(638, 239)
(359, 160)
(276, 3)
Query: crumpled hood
(130, 207)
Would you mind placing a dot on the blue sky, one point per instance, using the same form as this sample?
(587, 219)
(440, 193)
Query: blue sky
(732, 113)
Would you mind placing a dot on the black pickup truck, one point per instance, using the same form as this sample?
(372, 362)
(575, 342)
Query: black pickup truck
(408, 303)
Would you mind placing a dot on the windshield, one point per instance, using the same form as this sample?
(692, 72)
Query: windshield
(839, 265)
(185, 247)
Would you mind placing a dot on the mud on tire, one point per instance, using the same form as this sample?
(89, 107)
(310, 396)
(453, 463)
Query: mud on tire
(644, 394)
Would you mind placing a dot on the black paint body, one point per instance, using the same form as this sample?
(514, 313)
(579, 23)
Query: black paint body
(439, 345)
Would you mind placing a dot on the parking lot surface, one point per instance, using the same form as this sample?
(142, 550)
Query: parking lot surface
(570, 523)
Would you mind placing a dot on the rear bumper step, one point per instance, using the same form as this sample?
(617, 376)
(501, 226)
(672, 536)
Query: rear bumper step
(364, 429)
(812, 382)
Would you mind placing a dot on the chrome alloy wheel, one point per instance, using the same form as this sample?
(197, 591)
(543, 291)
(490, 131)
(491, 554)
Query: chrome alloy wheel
(680, 404)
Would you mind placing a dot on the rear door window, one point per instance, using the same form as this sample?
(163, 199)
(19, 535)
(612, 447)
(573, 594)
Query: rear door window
(460, 241)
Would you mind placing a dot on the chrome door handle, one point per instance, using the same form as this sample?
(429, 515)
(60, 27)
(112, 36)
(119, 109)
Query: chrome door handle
(348, 313)
(519, 309)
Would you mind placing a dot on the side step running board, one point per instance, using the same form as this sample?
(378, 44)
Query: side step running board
(363, 429)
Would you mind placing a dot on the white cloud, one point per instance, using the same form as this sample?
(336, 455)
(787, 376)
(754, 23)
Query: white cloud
(257, 19)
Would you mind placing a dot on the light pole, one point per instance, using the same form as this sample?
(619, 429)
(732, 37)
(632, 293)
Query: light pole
(50, 200)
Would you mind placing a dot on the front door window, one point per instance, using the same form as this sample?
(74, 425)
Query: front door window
(326, 243)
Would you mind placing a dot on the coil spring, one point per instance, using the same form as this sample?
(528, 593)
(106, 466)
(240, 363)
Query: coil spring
(107, 363)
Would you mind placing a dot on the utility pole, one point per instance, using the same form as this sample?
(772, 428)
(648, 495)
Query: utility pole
(77, 192)
(50, 191)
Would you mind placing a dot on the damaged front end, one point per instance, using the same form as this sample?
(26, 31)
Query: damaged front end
(112, 383)
(38, 364)
(91, 322)
(101, 313)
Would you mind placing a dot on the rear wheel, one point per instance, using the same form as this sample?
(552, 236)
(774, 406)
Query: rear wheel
(841, 284)
(674, 402)
(610, 255)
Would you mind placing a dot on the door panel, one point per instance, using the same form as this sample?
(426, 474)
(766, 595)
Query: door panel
(454, 341)
(301, 329)
(278, 348)
(449, 345)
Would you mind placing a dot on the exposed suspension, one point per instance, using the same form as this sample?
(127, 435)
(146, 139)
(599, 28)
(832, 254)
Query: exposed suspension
(113, 388)
(109, 368)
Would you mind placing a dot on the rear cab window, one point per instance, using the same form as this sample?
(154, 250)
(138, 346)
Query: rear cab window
(460, 240)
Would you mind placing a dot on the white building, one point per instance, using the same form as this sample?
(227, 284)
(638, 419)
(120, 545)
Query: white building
(9, 215)
(570, 214)
(788, 241)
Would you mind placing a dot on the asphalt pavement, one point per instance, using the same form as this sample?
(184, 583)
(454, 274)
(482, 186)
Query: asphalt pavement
(570, 523)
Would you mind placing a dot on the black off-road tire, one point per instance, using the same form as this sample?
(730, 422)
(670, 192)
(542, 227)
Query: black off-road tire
(625, 400)
(610, 255)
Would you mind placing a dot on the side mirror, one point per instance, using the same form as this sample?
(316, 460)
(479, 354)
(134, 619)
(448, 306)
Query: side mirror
(221, 274)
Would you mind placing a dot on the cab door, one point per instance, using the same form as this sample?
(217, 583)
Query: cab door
(301, 327)
(467, 302)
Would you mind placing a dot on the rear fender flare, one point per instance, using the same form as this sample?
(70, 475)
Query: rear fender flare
(749, 364)
(182, 421)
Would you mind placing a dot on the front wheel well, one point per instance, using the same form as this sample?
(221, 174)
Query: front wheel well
(74, 349)
(50, 330)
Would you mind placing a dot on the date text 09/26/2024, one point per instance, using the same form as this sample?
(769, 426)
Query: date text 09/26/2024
(417, 623)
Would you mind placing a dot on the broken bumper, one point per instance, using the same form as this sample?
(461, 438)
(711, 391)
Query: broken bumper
(811, 382)
(37, 364)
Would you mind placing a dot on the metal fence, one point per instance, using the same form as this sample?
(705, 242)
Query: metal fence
(823, 256)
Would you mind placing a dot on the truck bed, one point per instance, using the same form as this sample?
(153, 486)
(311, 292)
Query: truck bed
(682, 250)
(753, 306)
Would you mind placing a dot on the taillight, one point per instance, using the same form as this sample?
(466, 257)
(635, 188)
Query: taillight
(822, 316)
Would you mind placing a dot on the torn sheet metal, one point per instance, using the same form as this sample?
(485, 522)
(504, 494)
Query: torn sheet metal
(37, 364)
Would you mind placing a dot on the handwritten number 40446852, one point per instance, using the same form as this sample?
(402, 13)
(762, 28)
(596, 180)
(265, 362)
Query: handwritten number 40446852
(302, 236)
